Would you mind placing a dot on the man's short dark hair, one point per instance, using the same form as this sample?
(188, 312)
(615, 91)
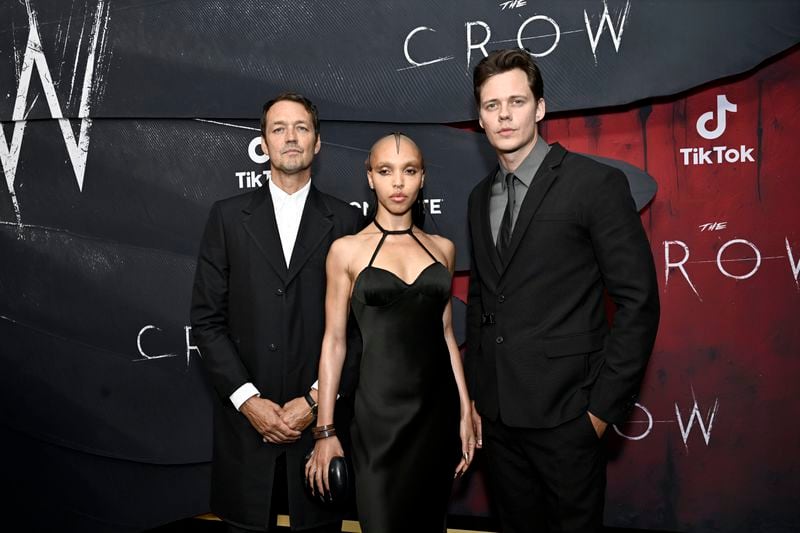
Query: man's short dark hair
(500, 61)
(291, 97)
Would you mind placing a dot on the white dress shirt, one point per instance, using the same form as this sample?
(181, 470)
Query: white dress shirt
(288, 212)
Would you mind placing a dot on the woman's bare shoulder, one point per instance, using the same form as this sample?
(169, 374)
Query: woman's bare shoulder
(350, 250)
(442, 247)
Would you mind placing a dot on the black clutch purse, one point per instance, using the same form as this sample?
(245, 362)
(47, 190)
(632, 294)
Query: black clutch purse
(340, 481)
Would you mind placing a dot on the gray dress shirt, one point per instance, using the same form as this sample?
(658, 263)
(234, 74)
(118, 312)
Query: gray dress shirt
(524, 173)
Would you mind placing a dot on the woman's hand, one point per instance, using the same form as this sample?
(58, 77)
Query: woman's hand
(467, 433)
(318, 465)
(477, 424)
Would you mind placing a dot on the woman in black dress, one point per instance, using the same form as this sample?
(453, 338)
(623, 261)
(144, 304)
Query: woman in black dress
(411, 405)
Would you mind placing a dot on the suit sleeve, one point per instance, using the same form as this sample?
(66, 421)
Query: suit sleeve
(626, 264)
(209, 311)
(474, 311)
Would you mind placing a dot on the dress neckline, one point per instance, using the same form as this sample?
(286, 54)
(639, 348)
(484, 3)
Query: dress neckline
(393, 232)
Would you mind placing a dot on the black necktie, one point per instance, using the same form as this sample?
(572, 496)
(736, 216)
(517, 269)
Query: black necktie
(504, 235)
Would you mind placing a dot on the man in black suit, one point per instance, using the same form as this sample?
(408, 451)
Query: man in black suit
(550, 231)
(258, 318)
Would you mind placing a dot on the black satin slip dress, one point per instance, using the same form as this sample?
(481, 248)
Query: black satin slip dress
(405, 430)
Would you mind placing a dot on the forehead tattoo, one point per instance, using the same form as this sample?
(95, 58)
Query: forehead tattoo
(398, 136)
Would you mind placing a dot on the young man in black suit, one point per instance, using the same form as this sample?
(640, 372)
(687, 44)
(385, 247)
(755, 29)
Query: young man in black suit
(258, 318)
(550, 231)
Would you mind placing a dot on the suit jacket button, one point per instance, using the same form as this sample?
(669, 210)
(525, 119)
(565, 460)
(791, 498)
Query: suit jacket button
(501, 298)
(273, 348)
(279, 292)
(499, 340)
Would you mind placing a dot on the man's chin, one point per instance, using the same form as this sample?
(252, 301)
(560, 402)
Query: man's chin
(508, 148)
(295, 169)
(511, 147)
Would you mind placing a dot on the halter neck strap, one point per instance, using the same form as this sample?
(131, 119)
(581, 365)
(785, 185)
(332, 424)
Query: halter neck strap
(392, 232)
(387, 232)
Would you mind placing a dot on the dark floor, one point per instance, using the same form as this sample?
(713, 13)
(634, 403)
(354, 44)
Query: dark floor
(194, 525)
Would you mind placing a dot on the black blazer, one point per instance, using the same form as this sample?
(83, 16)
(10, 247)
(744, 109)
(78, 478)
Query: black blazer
(539, 348)
(256, 320)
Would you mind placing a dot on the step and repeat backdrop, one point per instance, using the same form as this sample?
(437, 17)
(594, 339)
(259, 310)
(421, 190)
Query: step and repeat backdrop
(121, 121)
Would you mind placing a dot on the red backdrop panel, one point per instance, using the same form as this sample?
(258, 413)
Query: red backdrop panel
(715, 442)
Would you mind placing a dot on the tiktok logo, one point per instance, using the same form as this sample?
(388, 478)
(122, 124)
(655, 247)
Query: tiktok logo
(723, 106)
(716, 155)
(250, 179)
(255, 147)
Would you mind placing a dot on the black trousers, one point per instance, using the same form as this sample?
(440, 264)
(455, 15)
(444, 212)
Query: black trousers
(280, 505)
(546, 480)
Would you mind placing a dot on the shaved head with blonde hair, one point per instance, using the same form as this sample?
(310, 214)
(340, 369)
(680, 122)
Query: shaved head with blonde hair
(398, 137)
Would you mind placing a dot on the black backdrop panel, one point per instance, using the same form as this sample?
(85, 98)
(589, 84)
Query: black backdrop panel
(373, 61)
(53, 488)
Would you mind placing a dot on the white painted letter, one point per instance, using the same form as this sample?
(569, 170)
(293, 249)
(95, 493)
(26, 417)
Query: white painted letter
(647, 430)
(605, 19)
(480, 46)
(686, 429)
(795, 266)
(408, 54)
(141, 351)
(189, 345)
(738, 241)
(557, 34)
(679, 264)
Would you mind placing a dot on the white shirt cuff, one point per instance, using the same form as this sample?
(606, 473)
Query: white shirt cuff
(315, 386)
(243, 393)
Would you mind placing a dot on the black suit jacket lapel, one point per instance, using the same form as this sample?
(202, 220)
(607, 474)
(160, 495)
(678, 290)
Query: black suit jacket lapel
(315, 224)
(542, 181)
(483, 229)
(260, 224)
